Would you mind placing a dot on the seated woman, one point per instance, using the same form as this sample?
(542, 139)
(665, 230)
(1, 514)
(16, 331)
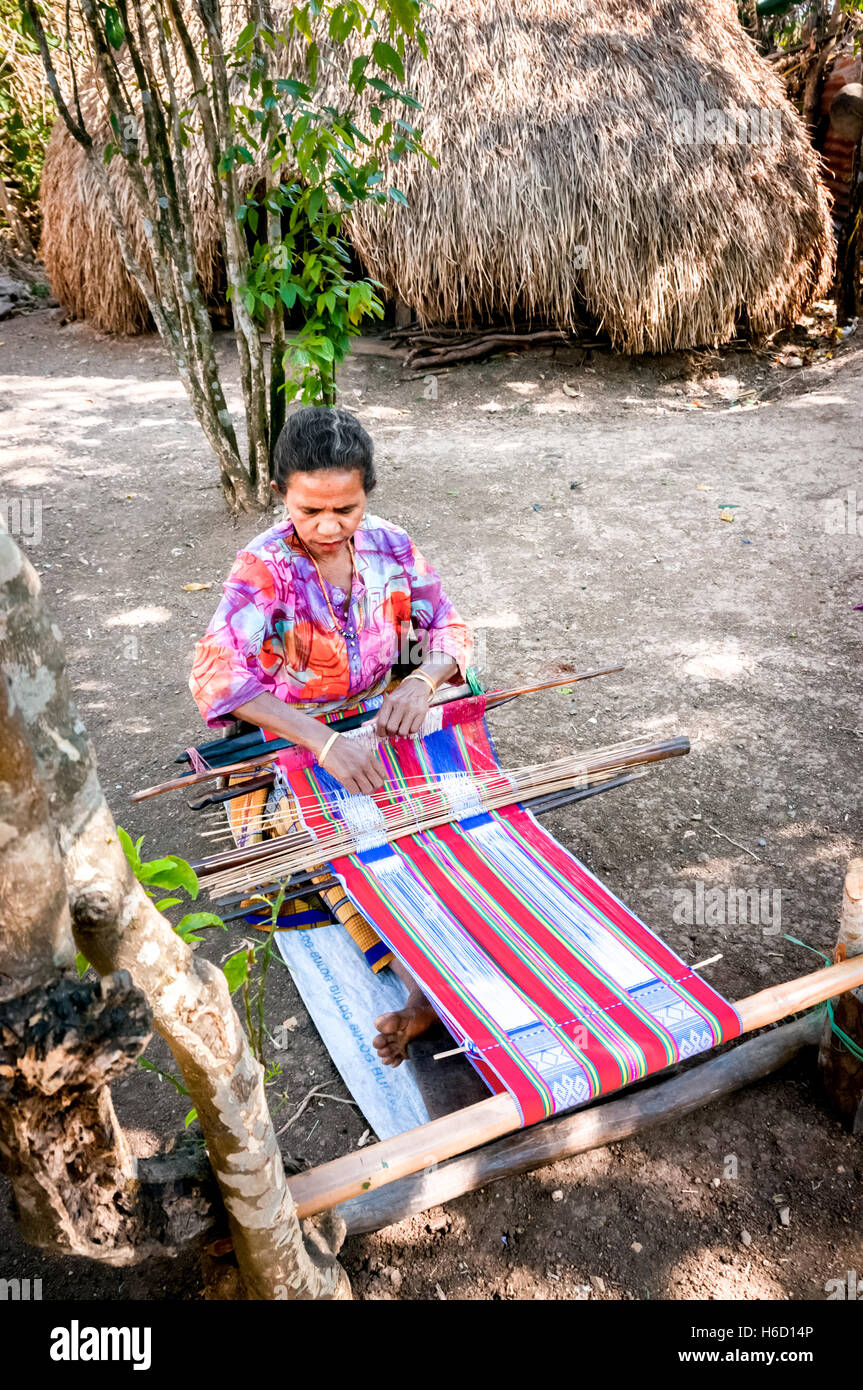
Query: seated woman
(316, 613)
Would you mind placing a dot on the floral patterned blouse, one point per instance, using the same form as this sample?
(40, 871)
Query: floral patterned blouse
(274, 630)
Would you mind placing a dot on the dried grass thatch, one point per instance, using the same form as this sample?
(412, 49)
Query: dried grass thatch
(561, 192)
(79, 247)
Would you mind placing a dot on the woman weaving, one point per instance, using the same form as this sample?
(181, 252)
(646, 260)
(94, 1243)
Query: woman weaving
(313, 619)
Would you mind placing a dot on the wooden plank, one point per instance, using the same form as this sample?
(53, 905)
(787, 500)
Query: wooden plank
(575, 1133)
(380, 1164)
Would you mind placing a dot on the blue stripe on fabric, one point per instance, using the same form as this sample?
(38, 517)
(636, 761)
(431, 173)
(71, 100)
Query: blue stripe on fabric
(376, 952)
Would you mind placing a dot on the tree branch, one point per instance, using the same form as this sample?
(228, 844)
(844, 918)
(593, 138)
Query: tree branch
(118, 928)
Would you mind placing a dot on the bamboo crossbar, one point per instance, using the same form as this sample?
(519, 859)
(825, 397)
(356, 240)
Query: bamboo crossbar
(379, 1164)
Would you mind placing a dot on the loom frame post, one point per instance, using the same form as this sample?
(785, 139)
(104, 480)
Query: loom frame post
(841, 1071)
(575, 1132)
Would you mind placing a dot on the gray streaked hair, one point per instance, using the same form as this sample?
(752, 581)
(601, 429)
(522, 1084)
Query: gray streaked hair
(320, 437)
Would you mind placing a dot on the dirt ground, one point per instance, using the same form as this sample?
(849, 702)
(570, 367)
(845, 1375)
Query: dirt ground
(683, 516)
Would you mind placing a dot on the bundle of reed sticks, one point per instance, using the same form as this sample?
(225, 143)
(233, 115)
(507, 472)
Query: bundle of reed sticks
(412, 806)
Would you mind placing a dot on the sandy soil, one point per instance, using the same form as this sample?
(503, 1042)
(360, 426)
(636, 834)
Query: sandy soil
(575, 507)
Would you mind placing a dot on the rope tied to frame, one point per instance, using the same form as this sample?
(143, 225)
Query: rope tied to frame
(847, 1041)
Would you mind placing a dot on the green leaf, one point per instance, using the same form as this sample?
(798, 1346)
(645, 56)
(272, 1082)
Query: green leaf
(246, 35)
(358, 67)
(387, 58)
(381, 86)
(236, 968)
(167, 902)
(170, 872)
(194, 922)
(288, 295)
(190, 1118)
(130, 850)
(300, 20)
(114, 31)
(82, 965)
(293, 88)
(312, 59)
(322, 348)
(398, 197)
(405, 13)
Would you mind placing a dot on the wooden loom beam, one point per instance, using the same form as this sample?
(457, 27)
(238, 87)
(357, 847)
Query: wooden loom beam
(380, 1164)
(575, 1133)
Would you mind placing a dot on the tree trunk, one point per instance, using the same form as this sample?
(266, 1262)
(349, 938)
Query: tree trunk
(847, 289)
(171, 291)
(118, 928)
(62, 1041)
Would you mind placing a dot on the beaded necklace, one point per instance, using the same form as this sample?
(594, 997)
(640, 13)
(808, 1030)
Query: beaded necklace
(339, 626)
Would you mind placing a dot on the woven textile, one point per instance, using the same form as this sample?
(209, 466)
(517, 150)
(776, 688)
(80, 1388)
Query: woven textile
(557, 991)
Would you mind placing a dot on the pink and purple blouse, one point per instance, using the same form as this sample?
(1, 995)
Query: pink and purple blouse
(273, 630)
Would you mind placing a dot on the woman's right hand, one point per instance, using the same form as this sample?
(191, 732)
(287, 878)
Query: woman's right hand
(355, 764)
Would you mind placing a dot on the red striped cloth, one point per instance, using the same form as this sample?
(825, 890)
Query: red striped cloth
(556, 989)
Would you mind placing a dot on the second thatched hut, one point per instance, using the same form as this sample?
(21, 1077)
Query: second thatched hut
(635, 166)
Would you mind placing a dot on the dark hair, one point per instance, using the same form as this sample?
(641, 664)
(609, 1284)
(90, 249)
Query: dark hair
(319, 437)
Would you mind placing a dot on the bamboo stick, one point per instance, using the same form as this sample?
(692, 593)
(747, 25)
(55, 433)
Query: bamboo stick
(382, 1163)
(493, 698)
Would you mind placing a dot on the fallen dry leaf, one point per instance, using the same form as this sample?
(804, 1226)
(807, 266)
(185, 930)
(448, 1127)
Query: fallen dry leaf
(193, 588)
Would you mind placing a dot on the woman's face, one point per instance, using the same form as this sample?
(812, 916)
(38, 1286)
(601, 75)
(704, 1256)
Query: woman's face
(326, 508)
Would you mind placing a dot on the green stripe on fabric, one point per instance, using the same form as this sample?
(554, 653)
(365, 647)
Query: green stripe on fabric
(550, 1023)
(697, 1006)
(470, 1002)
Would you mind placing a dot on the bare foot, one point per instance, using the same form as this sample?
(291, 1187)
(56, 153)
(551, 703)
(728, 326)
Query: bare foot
(397, 1030)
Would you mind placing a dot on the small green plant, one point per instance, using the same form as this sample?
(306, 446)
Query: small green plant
(159, 876)
(238, 971)
(169, 874)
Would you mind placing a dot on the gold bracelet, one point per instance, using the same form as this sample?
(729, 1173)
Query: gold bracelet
(326, 748)
(421, 676)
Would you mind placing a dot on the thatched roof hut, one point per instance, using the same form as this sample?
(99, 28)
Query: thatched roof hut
(630, 162)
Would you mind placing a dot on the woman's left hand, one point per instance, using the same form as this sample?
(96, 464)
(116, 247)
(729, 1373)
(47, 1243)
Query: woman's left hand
(403, 711)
